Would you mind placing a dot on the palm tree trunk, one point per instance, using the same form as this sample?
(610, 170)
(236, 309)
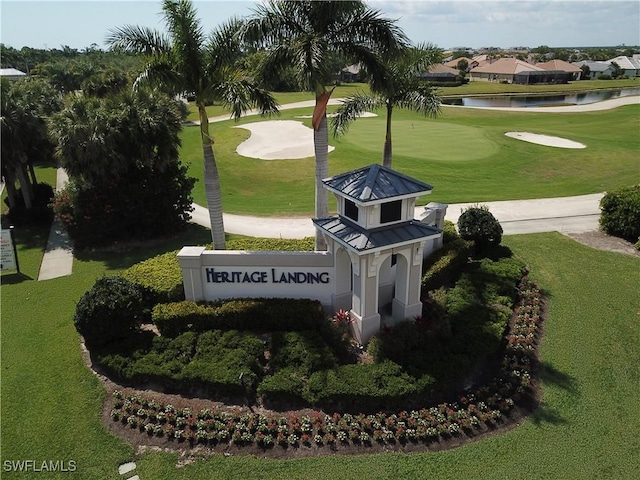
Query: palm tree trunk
(387, 152)
(211, 183)
(12, 194)
(321, 148)
(25, 187)
(32, 174)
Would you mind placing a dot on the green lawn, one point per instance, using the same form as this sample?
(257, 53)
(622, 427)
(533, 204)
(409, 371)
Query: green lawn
(471, 88)
(586, 426)
(464, 154)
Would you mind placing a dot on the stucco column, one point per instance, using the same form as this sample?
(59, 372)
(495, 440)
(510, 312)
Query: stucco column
(407, 304)
(190, 259)
(364, 308)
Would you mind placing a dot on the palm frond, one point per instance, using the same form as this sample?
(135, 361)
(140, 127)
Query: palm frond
(135, 39)
(224, 44)
(422, 99)
(240, 95)
(350, 109)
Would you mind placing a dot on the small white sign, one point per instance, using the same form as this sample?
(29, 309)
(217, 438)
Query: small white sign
(7, 253)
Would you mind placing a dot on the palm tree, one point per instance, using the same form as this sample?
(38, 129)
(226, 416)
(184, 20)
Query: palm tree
(402, 87)
(185, 61)
(25, 106)
(306, 35)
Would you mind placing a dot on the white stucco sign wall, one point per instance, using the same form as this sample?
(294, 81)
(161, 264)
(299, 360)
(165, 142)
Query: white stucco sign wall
(219, 274)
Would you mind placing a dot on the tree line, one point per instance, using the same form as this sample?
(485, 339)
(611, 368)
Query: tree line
(111, 127)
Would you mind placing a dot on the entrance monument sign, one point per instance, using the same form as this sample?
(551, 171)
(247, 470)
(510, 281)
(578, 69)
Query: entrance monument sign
(374, 256)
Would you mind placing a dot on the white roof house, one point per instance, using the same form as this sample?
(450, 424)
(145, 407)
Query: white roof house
(596, 68)
(630, 66)
(12, 74)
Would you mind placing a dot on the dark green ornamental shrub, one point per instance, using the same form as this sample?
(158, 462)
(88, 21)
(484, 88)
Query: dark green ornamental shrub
(621, 212)
(480, 226)
(111, 310)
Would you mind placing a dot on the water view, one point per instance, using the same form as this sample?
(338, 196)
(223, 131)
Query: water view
(520, 101)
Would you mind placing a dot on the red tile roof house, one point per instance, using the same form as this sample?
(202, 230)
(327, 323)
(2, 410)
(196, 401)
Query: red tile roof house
(439, 73)
(561, 65)
(512, 70)
(470, 62)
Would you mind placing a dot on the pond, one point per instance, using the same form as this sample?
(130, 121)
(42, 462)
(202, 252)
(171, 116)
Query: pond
(520, 101)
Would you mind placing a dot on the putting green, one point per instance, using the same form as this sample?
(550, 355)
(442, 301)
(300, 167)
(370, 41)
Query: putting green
(421, 139)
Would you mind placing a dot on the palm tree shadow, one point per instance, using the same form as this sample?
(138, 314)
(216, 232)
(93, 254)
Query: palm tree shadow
(550, 375)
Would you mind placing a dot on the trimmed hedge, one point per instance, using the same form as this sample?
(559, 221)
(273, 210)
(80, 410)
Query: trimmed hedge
(259, 315)
(208, 363)
(162, 275)
(287, 385)
(306, 244)
(369, 386)
(621, 213)
(444, 265)
(449, 232)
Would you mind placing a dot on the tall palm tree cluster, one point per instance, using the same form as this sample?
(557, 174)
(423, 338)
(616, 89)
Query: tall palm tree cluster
(304, 37)
(25, 141)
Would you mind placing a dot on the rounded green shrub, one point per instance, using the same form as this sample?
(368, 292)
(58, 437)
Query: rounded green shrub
(111, 310)
(479, 225)
(621, 212)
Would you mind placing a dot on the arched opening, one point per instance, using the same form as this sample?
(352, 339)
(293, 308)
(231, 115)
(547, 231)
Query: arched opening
(386, 288)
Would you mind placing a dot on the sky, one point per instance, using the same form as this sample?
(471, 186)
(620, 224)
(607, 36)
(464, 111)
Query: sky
(446, 24)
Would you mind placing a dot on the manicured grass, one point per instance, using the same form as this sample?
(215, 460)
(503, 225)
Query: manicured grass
(585, 427)
(464, 154)
(471, 88)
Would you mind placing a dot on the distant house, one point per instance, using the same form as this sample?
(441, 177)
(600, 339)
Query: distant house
(562, 66)
(454, 63)
(630, 66)
(512, 70)
(595, 69)
(502, 70)
(439, 73)
(12, 74)
(351, 73)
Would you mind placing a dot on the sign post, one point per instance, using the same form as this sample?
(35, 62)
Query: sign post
(8, 251)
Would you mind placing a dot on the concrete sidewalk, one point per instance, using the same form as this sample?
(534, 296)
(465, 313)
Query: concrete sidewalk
(565, 214)
(58, 255)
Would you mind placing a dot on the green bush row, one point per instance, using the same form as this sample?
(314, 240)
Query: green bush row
(208, 363)
(162, 275)
(306, 244)
(369, 387)
(444, 265)
(260, 315)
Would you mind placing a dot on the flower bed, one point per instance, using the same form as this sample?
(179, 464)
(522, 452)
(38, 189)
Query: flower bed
(477, 410)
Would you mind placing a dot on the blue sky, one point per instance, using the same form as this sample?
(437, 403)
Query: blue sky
(447, 24)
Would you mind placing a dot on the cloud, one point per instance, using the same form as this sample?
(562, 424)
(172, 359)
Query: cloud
(516, 22)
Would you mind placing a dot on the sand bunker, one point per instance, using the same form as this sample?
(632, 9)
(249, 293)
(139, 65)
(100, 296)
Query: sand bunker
(278, 140)
(547, 140)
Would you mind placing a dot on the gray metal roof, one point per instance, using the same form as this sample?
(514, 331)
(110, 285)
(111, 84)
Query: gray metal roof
(361, 240)
(374, 183)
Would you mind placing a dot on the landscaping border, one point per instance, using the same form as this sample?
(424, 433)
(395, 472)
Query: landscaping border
(196, 426)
